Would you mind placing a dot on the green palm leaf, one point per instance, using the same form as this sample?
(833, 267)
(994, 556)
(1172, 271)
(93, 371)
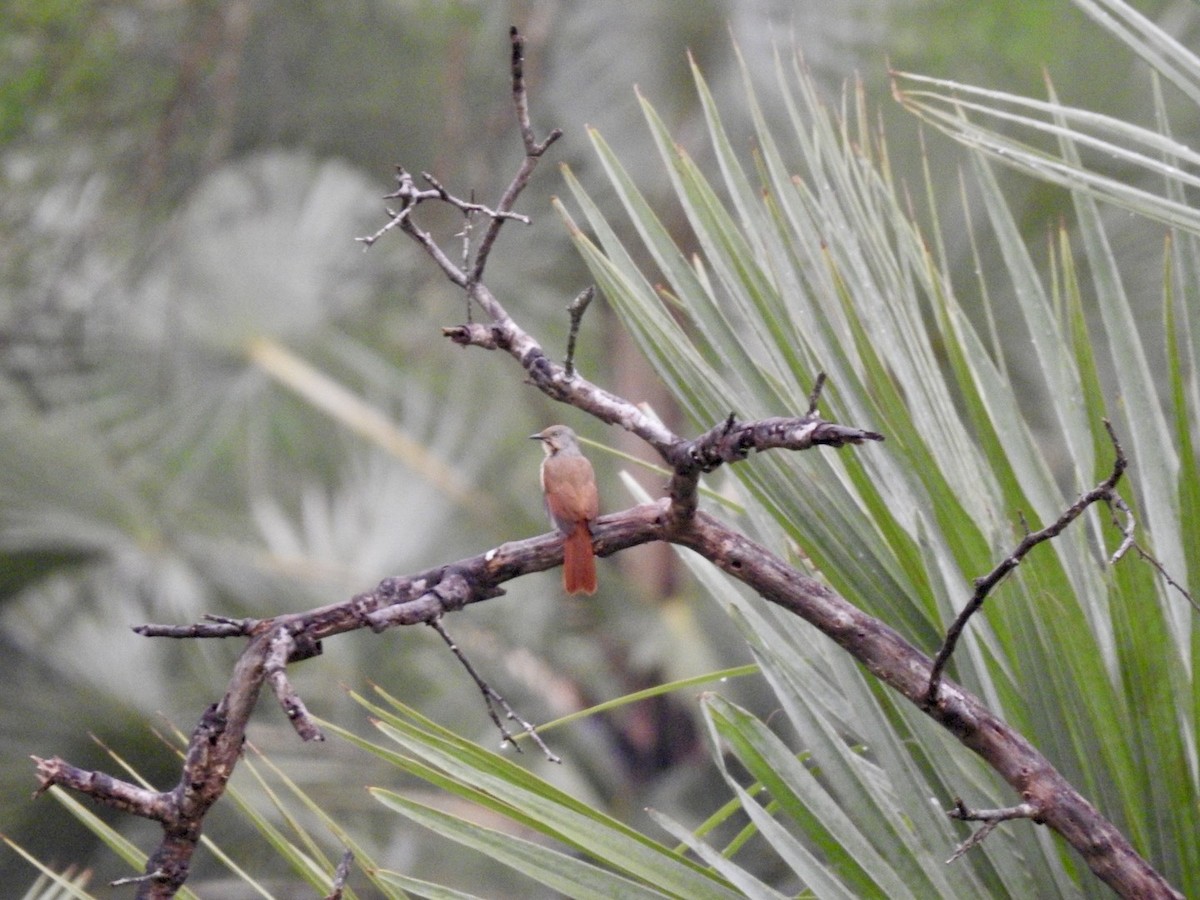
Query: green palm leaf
(815, 261)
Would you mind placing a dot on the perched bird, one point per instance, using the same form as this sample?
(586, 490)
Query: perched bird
(572, 501)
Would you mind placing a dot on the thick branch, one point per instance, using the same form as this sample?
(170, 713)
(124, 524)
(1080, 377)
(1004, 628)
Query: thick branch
(897, 663)
(215, 746)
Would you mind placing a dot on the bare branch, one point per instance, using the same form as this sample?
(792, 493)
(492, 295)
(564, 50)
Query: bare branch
(275, 668)
(898, 664)
(112, 792)
(470, 206)
(215, 745)
(732, 441)
(815, 396)
(533, 154)
(983, 586)
(576, 309)
(990, 819)
(411, 196)
(493, 698)
(214, 748)
(340, 876)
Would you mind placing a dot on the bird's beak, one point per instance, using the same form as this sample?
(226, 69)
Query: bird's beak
(536, 437)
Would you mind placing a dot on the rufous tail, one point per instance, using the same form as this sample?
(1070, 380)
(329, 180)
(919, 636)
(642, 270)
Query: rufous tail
(579, 562)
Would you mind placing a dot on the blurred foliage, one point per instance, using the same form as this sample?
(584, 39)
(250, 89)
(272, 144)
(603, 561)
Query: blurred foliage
(61, 59)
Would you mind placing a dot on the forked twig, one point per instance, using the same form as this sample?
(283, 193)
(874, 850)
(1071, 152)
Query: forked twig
(533, 152)
(1105, 490)
(990, 819)
(493, 698)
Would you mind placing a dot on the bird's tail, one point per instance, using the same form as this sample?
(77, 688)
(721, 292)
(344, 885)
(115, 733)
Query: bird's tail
(579, 561)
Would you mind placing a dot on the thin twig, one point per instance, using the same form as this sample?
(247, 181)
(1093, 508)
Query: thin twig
(1150, 558)
(990, 819)
(283, 646)
(576, 309)
(156, 875)
(815, 396)
(465, 234)
(1117, 504)
(493, 698)
(533, 152)
(211, 629)
(340, 876)
(470, 206)
(411, 196)
(983, 586)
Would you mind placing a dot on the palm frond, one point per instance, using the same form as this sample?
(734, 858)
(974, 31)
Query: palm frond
(817, 262)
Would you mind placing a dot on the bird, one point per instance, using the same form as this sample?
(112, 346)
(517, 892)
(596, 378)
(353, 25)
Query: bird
(569, 484)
